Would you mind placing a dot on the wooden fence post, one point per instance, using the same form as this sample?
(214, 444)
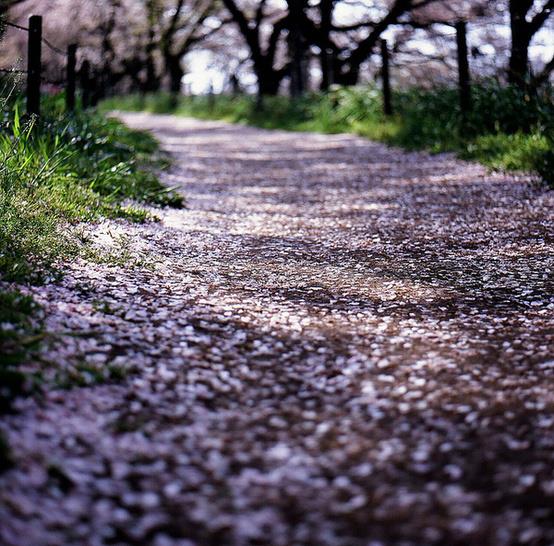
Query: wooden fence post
(71, 77)
(464, 80)
(259, 105)
(34, 65)
(85, 84)
(211, 96)
(385, 73)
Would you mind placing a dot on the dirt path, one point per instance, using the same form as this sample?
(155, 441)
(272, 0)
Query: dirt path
(335, 344)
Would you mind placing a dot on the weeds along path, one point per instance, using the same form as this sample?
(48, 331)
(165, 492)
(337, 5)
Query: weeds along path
(335, 344)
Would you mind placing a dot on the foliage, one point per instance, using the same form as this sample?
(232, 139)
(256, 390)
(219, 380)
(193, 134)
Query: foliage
(433, 116)
(56, 171)
(65, 169)
(507, 128)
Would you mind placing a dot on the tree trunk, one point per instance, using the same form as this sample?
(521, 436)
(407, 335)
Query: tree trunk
(347, 77)
(175, 72)
(152, 80)
(521, 38)
(296, 50)
(326, 60)
(269, 79)
(269, 84)
(151, 83)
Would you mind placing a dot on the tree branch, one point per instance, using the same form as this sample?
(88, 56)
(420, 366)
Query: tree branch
(538, 21)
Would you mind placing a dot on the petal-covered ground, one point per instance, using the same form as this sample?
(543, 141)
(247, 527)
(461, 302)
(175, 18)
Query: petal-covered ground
(335, 344)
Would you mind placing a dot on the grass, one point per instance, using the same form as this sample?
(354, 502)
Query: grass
(62, 170)
(57, 172)
(506, 129)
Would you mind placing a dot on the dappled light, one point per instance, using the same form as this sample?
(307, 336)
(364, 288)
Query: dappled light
(276, 273)
(325, 356)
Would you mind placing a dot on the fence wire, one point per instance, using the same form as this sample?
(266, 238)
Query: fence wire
(53, 48)
(13, 25)
(46, 42)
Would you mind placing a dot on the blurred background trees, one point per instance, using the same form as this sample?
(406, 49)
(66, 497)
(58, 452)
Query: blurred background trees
(251, 57)
(288, 45)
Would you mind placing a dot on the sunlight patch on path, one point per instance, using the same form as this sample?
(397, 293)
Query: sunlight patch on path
(336, 344)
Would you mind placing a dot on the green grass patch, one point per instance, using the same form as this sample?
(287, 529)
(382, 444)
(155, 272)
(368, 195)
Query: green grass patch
(507, 128)
(56, 172)
(65, 169)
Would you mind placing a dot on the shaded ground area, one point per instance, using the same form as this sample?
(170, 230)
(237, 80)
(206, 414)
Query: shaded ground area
(335, 344)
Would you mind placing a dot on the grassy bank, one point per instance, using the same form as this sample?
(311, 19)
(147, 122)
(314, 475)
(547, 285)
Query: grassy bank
(56, 172)
(506, 129)
(63, 170)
